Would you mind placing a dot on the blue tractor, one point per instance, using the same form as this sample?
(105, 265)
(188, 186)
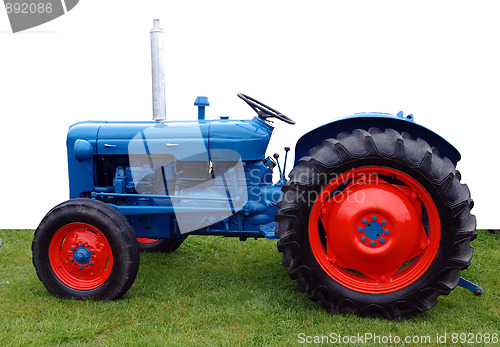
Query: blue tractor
(372, 220)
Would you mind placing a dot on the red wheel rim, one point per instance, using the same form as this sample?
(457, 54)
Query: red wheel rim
(80, 256)
(146, 240)
(374, 230)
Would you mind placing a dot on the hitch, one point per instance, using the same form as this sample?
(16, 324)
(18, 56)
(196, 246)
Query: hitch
(472, 287)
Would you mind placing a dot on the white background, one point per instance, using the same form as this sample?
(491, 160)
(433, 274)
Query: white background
(315, 61)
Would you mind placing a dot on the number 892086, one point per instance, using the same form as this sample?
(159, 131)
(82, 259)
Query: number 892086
(31, 8)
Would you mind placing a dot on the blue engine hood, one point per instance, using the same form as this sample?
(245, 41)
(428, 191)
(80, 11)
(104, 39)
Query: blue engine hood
(185, 140)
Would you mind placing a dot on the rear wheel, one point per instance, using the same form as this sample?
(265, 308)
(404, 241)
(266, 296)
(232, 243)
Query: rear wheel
(375, 223)
(158, 245)
(84, 248)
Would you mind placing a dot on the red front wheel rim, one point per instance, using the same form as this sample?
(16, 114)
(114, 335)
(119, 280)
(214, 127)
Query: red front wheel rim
(146, 240)
(374, 230)
(80, 256)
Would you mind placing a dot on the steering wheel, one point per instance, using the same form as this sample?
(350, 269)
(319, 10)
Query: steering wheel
(264, 111)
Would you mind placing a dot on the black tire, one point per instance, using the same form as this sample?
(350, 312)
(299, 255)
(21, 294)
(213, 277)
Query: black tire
(106, 238)
(160, 245)
(387, 149)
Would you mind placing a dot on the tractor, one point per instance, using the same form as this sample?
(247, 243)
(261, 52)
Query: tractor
(373, 218)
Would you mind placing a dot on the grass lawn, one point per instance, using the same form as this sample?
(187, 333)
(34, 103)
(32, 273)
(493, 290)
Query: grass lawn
(220, 291)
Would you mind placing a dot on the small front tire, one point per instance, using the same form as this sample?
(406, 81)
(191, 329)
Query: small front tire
(84, 248)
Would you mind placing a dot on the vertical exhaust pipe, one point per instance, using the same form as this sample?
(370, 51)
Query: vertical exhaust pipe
(158, 72)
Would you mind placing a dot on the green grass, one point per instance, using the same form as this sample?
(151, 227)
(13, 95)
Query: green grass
(219, 291)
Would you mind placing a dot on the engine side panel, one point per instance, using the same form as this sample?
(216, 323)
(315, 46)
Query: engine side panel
(140, 168)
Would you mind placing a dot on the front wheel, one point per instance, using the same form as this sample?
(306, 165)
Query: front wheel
(376, 223)
(84, 248)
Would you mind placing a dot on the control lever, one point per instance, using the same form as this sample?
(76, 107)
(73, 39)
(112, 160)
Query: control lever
(276, 156)
(282, 173)
(287, 149)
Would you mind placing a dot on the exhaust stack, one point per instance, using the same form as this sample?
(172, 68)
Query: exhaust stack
(158, 72)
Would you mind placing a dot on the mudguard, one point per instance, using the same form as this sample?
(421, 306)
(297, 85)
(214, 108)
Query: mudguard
(383, 121)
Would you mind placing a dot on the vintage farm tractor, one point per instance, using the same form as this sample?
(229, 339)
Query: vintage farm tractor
(373, 219)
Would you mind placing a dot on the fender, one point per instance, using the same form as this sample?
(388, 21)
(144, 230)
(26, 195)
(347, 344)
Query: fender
(379, 120)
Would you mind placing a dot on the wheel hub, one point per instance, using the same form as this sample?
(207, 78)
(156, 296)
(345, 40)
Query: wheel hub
(373, 233)
(373, 228)
(82, 254)
(374, 251)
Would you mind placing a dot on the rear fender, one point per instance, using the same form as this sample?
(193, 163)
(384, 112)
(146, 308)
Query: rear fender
(377, 120)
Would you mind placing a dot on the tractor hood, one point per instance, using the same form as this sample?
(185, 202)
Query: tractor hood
(185, 140)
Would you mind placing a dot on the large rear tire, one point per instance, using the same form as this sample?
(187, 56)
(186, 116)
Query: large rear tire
(376, 223)
(84, 248)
